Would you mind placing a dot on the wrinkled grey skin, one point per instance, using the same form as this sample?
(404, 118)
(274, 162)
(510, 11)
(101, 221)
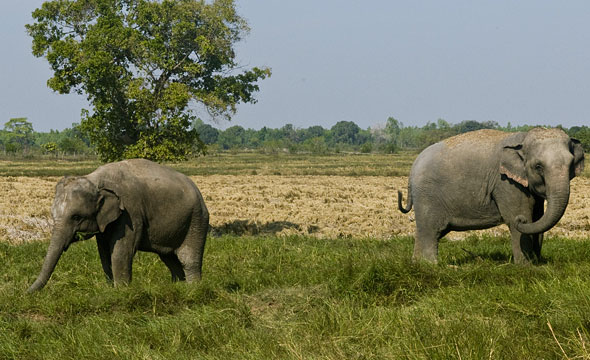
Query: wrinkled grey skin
(130, 205)
(485, 178)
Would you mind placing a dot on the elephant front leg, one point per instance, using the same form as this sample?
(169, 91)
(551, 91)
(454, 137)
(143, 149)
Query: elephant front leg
(537, 245)
(525, 248)
(104, 251)
(511, 203)
(123, 238)
(122, 260)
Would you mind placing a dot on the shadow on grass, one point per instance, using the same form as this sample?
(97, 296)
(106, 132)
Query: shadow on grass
(248, 227)
(392, 278)
(495, 253)
(470, 257)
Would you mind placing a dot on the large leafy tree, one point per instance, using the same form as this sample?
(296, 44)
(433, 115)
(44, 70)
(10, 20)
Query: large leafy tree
(144, 66)
(345, 132)
(18, 135)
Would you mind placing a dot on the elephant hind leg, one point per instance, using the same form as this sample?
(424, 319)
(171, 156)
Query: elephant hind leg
(172, 262)
(426, 243)
(191, 263)
(190, 253)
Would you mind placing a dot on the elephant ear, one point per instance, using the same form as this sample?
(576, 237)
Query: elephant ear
(59, 197)
(109, 208)
(578, 152)
(512, 161)
(59, 201)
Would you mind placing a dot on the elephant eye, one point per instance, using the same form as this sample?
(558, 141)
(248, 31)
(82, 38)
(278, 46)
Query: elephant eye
(539, 168)
(76, 217)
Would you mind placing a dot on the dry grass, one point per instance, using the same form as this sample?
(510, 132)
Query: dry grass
(337, 206)
(320, 206)
(323, 206)
(25, 208)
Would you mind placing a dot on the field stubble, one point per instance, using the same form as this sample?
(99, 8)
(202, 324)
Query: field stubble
(319, 205)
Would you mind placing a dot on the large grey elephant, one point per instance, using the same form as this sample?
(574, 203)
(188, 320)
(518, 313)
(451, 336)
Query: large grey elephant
(485, 178)
(130, 205)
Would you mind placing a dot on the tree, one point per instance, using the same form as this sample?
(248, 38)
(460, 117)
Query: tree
(582, 134)
(19, 134)
(472, 125)
(442, 124)
(289, 133)
(207, 133)
(316, 145)
(141, 64)
(313, 132)
(71, 145)
(393, 128)
(232, 137)
(252, 139)
(50, 148)
(345, 132)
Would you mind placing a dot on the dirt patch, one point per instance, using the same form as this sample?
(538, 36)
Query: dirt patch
(481, 136)
(319, 206)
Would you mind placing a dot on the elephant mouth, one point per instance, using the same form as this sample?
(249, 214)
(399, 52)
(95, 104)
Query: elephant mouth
(81, 235)
(86, 235)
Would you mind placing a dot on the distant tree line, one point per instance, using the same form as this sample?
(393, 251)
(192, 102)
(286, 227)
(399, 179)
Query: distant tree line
(349, 137)
(19, 138)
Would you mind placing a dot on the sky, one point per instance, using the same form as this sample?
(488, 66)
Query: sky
(519, 62)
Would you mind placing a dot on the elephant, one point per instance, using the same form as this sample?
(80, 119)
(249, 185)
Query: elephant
(128, 206)
(485, 178)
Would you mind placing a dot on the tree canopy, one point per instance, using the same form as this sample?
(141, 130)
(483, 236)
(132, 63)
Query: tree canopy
(18, 135)
(143, 65)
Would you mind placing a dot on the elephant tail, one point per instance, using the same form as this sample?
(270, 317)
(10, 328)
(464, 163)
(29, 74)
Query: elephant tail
(400, 200)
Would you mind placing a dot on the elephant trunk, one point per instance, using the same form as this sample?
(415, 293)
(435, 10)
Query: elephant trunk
(558, 193)
(56, 247)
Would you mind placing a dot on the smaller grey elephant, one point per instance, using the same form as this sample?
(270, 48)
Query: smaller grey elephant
(129, 206)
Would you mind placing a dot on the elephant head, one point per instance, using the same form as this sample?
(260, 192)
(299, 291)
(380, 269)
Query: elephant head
(543, 161)
(80, 210)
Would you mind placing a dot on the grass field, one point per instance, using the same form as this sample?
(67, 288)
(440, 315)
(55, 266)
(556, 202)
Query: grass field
(304, 298)
(308, 259)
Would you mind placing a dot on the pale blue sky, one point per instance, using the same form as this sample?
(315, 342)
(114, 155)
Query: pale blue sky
(524, 62)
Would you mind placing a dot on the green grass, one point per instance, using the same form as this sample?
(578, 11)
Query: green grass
(303, 298)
